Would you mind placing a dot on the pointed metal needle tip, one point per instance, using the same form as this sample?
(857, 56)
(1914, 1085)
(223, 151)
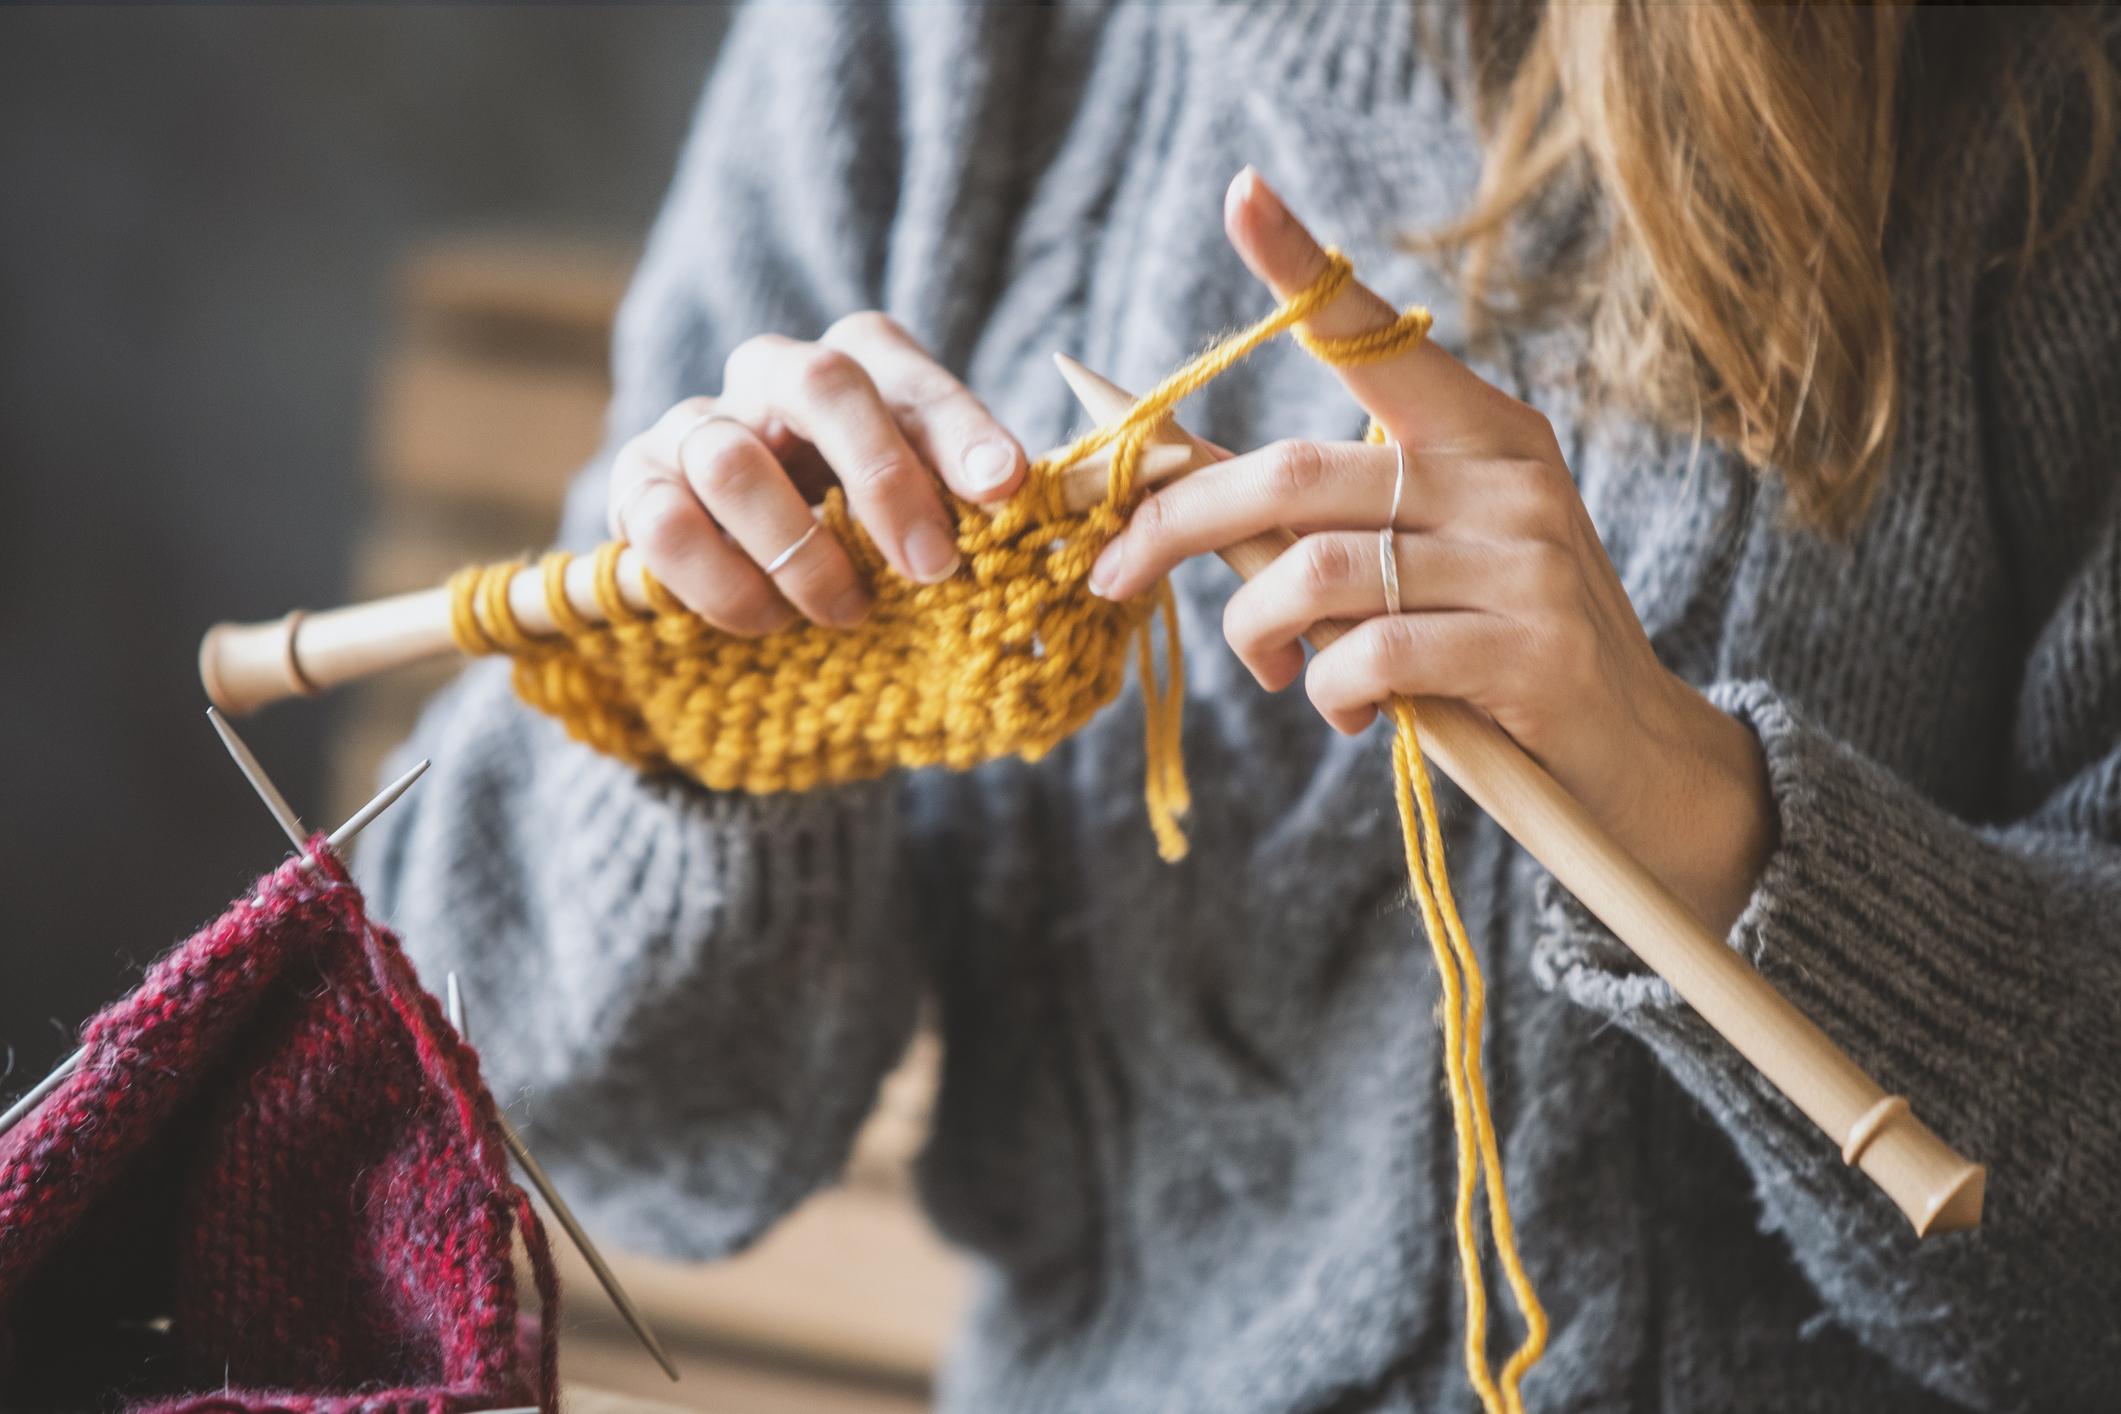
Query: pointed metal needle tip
(259, 781)
(366, 815)
(19, 1110)
(454, 1005)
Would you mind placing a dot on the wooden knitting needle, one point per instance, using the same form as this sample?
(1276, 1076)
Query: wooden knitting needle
(560, 1210)
(289, 821)
(1938, 1189)
(247, 666)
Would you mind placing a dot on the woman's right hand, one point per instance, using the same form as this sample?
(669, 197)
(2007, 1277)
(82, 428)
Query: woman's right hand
(721, 487)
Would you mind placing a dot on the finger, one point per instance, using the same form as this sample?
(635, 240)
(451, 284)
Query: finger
(687, 552)
(825, 397)
(949, 428)
(1340, 575)
(1424, 397)
(1444, 654)
(649, 457)
(1299, 486)
(745, 488)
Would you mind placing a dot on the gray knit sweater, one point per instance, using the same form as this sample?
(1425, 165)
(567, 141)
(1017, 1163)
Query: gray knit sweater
(1193, 1123)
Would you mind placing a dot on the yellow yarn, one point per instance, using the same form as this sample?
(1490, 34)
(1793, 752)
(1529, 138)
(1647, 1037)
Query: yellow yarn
(1008, 656)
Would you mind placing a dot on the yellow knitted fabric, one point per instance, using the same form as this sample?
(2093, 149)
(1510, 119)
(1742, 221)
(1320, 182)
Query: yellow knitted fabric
(1009, 656)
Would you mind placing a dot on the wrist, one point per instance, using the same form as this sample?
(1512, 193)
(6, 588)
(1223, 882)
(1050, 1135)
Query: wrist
(1730, 816)
(1708, 826)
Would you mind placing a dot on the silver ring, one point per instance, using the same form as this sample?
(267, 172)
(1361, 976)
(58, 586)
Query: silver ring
(1388, 540)
(788, 554)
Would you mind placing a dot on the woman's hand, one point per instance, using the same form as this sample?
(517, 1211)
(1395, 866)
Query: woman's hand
(1508, 600)
(722, 488)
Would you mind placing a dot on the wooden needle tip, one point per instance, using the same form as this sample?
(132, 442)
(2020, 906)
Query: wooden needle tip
(1100, 396)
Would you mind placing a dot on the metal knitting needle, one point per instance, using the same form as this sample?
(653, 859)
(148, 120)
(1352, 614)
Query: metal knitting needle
(366, 815)
(454, 1001)
(289, 821)
(19, 1110)
(259, 781)
(277, 803)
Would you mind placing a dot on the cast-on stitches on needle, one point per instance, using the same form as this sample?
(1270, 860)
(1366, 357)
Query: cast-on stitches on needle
(277, 1143)
(1008, 656)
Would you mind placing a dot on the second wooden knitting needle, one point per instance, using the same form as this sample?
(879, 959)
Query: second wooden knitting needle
(454, 1003)
(1939, 1190)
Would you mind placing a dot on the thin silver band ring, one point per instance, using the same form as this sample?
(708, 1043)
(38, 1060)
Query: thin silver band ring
(788, 554)
(1388, 540)
(780, 561)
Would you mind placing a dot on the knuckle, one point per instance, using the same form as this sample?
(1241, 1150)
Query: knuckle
(1295, 468)
(1152, 524)
(1329, 562)
(1550, 574)
(659, 523)
(826, 375)
(721, 466)
(866, 326)
(1385, 648)
(630, 465)
(872, 475)
(753, 355)
(1526, 480)
(1536, 495)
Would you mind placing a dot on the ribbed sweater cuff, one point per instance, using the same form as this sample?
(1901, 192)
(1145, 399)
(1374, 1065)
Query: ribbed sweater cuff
(1905, 934)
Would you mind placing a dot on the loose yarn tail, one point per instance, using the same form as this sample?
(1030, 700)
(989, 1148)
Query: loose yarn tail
(1163, 717)
(1464, 1015)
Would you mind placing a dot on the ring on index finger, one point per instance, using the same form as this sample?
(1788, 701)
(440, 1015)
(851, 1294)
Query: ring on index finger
(1388, 539)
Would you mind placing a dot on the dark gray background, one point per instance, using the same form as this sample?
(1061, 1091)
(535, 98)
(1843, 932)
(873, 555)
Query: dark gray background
(199, 210)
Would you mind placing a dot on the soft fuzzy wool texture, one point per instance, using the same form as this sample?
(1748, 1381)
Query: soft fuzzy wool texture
(1193, 1121)
(276, 1144)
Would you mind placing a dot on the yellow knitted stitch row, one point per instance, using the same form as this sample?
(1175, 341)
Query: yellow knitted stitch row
(1010, 655)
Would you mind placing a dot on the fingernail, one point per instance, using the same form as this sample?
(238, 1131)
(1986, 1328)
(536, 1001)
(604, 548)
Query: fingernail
(1107, 567)
(848, 609)
(931, 552)
(1240, 189)
(987, 466)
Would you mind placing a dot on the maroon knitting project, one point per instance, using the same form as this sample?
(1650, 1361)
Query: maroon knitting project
(276, 1183)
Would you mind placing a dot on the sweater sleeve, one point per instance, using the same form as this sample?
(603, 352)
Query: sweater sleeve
(690, 997)
(1973, 967)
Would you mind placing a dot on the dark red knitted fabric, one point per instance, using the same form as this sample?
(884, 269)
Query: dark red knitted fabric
(276, 1183)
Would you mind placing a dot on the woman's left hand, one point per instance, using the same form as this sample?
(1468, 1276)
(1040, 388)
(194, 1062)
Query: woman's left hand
(1507, 598)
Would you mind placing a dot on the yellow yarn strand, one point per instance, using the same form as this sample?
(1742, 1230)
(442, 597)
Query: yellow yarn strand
(1464, 1017)
(1008, 656)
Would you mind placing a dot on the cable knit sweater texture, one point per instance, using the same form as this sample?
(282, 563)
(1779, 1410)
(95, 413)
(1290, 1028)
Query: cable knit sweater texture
(1193, 1122)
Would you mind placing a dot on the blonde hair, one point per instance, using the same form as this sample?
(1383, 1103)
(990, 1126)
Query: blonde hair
(1748, 166)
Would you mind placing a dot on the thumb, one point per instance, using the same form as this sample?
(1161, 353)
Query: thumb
(1412, 395)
